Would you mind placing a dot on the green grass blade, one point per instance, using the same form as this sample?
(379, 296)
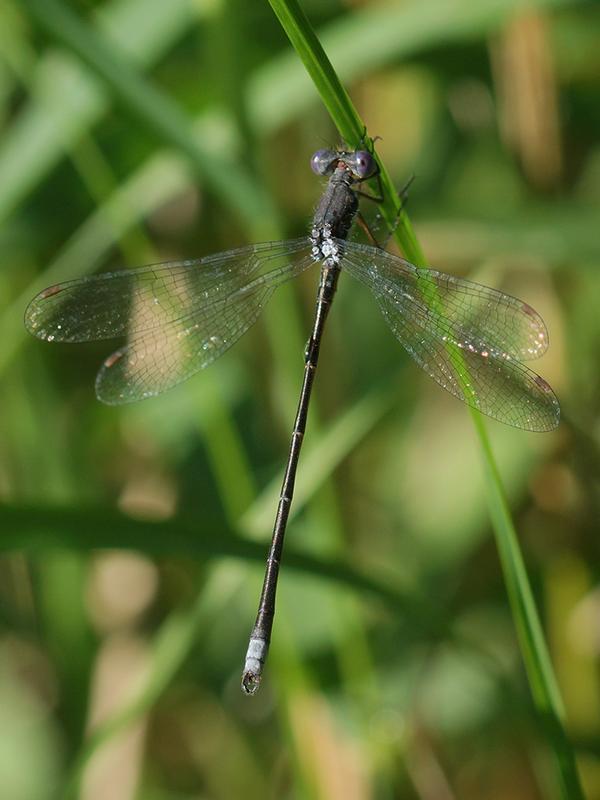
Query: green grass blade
(163, 116)
(343, 113)
(64, 102)
(534, 650)
(540, 673)
(39, 529)
(371, 37)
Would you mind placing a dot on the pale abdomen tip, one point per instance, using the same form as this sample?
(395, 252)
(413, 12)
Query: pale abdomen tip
(250, 682)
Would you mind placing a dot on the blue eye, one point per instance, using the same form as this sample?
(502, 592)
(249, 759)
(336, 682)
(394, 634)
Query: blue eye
(322, 161)
(362, 164)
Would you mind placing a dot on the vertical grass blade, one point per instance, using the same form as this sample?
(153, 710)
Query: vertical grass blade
(534, 650)
(342, 112)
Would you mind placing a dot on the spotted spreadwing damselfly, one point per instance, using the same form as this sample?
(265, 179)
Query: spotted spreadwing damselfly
(178, 317)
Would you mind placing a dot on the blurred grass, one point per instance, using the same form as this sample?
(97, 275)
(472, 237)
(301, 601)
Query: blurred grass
(373, 696)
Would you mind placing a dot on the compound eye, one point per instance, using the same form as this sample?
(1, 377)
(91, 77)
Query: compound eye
(322, 161)
(362, 164)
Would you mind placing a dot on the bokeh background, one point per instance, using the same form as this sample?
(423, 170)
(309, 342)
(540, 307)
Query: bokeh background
(133, 537)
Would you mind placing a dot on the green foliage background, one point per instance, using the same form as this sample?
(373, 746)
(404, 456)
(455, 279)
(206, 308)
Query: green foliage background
(133, 538)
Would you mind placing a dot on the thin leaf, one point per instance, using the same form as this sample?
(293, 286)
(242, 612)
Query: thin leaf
(161, 114)
(534, 650)
(38, 529)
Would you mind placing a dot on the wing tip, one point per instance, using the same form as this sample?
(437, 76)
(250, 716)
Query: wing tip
(103, 387)
(549, 419)
(111, 389)
(35, 317)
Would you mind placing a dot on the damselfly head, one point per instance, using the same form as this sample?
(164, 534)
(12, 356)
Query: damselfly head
(360, 163)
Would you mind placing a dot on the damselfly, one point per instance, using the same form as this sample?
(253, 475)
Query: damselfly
(178, 317)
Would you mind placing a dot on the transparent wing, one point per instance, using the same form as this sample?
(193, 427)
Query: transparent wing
(178, 317)
(158, 358)
(113, 304)
(488, 318)
(452, 339)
